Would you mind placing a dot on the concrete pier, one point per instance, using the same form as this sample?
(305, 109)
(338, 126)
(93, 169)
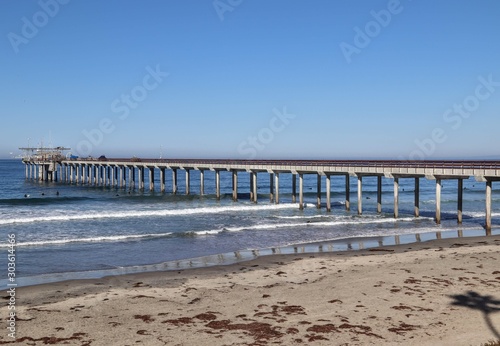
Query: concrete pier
(113, 173)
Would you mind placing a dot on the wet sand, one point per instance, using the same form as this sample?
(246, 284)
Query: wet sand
(440, 292)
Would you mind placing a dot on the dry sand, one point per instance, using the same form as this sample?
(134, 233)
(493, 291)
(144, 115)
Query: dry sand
(443, 292)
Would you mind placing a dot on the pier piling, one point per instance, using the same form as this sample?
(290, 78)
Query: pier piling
(396, 197)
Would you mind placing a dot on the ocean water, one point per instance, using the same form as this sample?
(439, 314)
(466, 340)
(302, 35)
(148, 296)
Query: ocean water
(62, 229)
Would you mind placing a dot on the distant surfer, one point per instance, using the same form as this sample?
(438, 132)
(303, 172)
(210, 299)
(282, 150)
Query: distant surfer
(57, 193)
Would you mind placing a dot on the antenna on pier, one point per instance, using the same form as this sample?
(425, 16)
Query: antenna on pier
(50, 139)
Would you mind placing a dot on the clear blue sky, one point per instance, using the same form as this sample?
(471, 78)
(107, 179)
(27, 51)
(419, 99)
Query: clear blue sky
(252, 78)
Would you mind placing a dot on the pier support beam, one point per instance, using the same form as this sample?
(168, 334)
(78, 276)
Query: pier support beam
(347, 192)
(254, 188)
(217, 184)
(438, 200)
(108, 176)
(277, 188)
(84, 174)
(122, 177)
(202, 182)
(188, 182)
(89, 173)
(318, 191)
(250, 175)
(235, 185)
(417, 197)
(488, 205)
(111, 173)
(294, 188)
(162, 179)
(301, 191)
(379, 194)
(174, 181)
(71, 173)
(460, 201)
(115, 176)
(360, 195)
(328, 193)
(151, 178)
(131, 178)
(396, 197)
(271, 187)
(141, 178)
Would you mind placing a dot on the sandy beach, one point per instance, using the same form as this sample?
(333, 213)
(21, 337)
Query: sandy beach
(441, 292)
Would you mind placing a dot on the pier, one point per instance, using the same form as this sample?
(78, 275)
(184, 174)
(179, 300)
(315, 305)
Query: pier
(52, 165)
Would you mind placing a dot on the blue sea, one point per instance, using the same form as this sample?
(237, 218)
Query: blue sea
(68, 231)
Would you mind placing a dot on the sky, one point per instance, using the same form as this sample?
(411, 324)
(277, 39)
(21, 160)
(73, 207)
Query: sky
(252, 79)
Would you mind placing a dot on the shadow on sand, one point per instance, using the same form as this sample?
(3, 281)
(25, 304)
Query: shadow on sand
(486, 304)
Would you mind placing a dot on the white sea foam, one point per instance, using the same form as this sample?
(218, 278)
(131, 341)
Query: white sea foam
(90, 240)
(479, 214)
(145, 213)
(302, 217)
(343, 221)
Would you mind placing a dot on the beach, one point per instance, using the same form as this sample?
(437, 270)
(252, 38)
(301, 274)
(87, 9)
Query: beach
(443, 291)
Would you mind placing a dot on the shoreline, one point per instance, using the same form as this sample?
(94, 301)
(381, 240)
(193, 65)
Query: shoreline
(441, 291)
(223, 259)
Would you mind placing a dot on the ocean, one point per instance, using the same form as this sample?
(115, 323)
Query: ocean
(65, 231)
